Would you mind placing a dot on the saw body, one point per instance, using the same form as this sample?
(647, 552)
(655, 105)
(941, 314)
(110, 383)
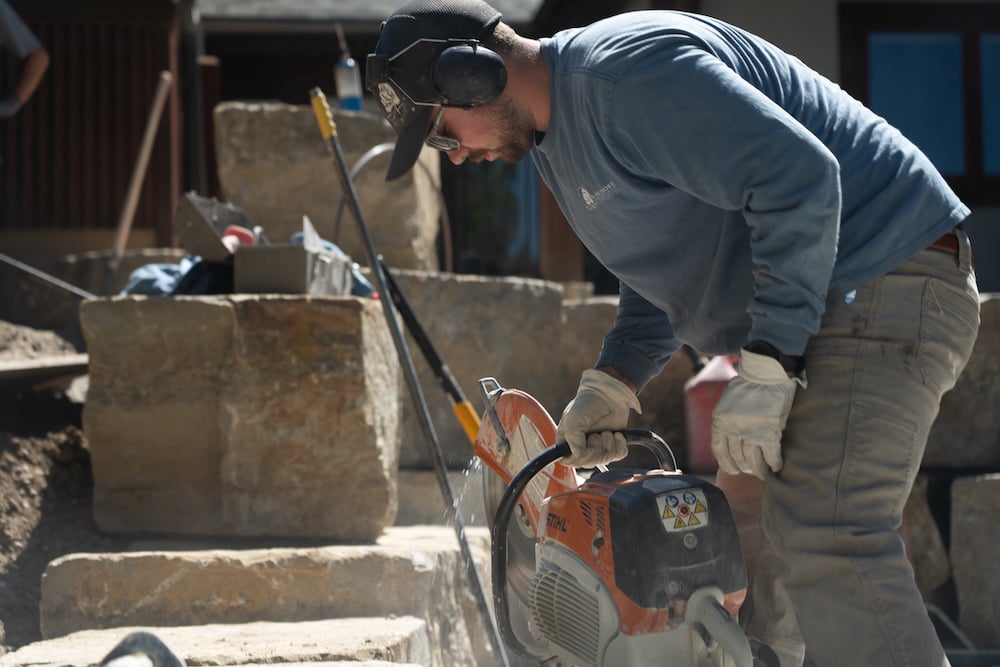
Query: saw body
(632, 548)
(629, 567)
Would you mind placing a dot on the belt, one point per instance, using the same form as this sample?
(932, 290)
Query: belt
(949, 243)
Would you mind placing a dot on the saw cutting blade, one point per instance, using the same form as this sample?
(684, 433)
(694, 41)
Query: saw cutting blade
(522, 430)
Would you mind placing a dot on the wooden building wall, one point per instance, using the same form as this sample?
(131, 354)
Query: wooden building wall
(68, 156)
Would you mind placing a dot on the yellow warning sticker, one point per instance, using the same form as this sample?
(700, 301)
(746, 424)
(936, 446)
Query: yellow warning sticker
(684, 509)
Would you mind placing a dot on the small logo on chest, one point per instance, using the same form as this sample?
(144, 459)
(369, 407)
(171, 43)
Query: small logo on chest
(594, 199)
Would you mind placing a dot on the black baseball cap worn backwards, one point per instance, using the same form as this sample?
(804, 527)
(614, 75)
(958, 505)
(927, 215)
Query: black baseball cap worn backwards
(402, 72)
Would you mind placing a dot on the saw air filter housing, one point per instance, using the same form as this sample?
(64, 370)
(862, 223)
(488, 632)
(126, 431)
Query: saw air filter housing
(619, 559)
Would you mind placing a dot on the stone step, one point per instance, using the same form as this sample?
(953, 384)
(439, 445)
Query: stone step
(410, 571)
(358, 642)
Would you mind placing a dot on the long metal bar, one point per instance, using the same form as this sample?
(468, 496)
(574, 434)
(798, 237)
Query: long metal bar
(46, 277)
(460, 405)
(324, 117)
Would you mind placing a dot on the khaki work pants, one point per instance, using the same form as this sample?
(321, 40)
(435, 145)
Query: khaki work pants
(832, 569)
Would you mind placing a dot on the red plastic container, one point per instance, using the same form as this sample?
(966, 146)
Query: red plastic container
(701, 393)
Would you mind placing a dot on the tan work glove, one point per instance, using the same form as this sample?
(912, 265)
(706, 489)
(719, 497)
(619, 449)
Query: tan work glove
(601, 406)
(749, 418)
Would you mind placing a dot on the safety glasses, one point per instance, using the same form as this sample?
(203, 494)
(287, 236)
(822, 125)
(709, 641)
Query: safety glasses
(439, 141)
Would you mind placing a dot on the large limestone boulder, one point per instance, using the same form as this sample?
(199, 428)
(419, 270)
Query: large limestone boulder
(974, 545)
(415, 571)
(89, 270)
(244, 415)
(967, 431)
(506, 328)
(521, 332)
(397, 641)
(274, 164)
(924, 545)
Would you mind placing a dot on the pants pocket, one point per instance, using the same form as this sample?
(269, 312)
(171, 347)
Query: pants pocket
(949, 324)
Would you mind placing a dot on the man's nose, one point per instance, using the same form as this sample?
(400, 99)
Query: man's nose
(458, 155)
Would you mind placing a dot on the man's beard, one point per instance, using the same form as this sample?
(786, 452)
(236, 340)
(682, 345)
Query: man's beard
(516, 135)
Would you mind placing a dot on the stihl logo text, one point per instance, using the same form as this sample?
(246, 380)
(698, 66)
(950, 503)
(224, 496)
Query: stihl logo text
(556, 522)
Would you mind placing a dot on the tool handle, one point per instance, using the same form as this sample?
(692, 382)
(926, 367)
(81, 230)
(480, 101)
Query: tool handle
(324, 116)
(468, 418)
(327, 127)
(124, 227)
(464, 411)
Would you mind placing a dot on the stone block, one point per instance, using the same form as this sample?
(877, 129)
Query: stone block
(242, 415)
(507, 328)
(274, 164)
(586, 320)
(966, 434)
(421, 501)
(975, 506)
(357, 642)
(37, 299)
(414, 571)
(924, 546)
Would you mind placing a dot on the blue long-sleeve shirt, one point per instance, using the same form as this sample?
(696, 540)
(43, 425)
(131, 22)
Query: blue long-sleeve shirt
(729, 187)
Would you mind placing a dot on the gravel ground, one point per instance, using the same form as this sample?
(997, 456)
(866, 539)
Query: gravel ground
(45, 486)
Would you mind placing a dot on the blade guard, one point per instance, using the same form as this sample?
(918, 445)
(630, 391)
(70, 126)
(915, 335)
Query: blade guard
(514, 429)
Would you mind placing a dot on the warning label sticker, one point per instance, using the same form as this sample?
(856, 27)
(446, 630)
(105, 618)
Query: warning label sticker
(683, 510)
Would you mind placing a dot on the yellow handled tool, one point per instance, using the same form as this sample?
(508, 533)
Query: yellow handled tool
(464, 412)
(467, 417)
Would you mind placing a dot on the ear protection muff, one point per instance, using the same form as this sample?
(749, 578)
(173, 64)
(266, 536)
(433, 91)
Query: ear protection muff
(469, 74)
(453, 72)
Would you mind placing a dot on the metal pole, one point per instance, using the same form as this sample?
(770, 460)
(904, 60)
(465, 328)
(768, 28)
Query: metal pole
(324, 116)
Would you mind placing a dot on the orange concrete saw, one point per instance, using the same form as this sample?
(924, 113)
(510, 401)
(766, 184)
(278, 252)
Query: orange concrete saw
(632, 566)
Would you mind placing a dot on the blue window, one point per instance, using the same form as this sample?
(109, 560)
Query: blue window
(990, 50)
(915, 82)
(932, 69)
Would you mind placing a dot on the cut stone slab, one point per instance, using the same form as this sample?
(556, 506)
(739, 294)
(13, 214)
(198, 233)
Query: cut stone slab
(35, 298)
(975, 506)
(275, 165)
(414, 571)
(245, 415)
(966, 434)
(506, 328)
(25, 373)
(924, 546)
(371, 642)
(87, 270)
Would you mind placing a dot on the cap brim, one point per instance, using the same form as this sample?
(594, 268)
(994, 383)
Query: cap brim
(409, 143)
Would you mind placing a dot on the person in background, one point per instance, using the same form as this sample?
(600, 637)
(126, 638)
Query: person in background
(747, 206)
(17, 39)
